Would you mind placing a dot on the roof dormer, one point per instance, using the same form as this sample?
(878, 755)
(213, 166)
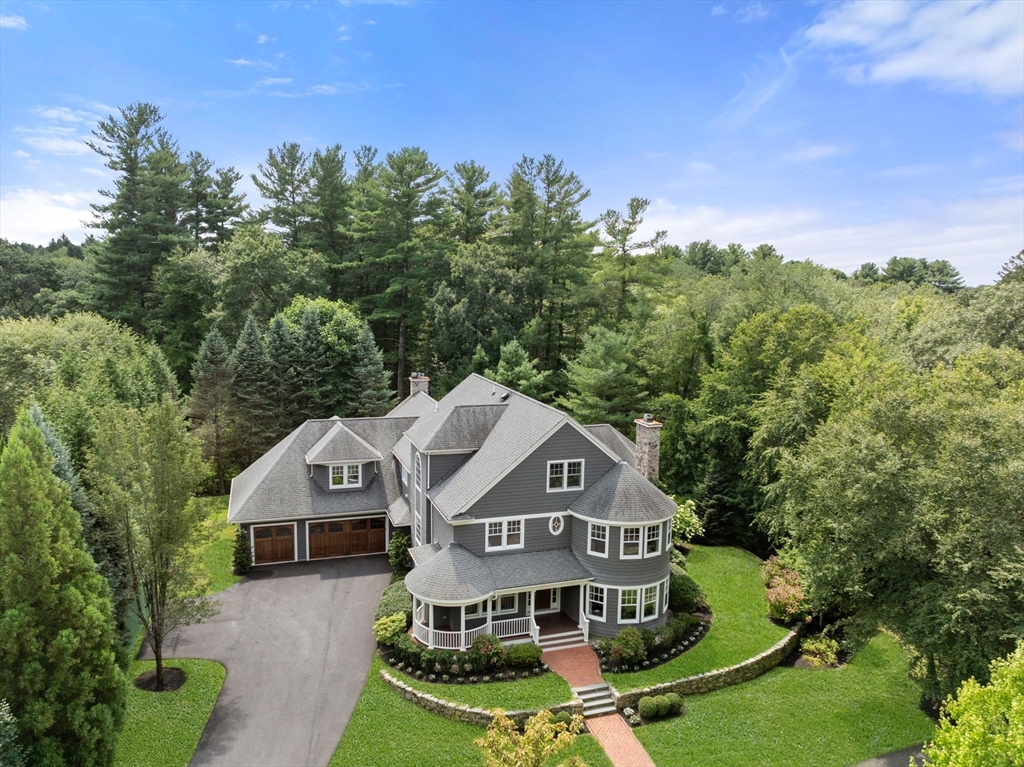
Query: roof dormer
(341, 445)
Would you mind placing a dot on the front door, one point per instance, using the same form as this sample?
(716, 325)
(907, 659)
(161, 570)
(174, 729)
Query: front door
(542, 600)
(274, 543)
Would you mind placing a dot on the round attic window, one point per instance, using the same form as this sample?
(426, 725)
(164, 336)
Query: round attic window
(556, 524)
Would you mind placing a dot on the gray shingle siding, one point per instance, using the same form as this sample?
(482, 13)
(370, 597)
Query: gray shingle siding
(611, 626)
(615, 571)
(525, 487)
(538, 536)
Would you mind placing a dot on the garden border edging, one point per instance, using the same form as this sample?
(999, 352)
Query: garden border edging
(715, 680)
(461, 712)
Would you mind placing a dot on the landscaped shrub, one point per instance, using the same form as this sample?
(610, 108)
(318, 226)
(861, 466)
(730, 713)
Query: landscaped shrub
(648, 707)
(684, 595)
(677, 558)
(649, 638)
(241, 553)
(563, 717)
(406, 651)
(628, 647)
(820, 651)
(663, 638)
(395, 600)
(686, 524)
(487, 652)
(664, 704)
(682, 625)
(389, 628)
(786, 601)
(523, 655)
(675, 703)
(398, 552)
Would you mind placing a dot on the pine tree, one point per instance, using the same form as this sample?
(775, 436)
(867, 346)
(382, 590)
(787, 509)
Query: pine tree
(284, 180)
(329, 198)
(252, 410)
(369, 389)
(58, 665)
(471, 200)
(603, 384)
(518, 371)
(282, 378)
(312, 369)
(209, 405)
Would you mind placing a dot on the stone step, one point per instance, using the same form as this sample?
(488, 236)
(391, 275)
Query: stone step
(586, 695)
(565, 644)
(559, 639)
(599, 711)
(589, 687)
(562, 635)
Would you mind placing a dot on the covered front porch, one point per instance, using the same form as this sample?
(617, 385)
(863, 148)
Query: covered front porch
(514, 617)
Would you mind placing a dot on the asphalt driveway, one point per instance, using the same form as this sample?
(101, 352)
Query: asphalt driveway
(297, 647)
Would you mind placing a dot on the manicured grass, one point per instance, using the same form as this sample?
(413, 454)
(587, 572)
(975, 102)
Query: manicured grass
(541, 691)
(732, 583)
(162, 729)
(388, 731)
(217, 553)
(799, 717)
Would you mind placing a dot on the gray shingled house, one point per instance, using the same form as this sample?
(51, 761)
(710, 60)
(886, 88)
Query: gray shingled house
(524, 523)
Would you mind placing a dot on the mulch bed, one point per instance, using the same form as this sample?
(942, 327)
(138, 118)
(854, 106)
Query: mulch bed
(174, 678)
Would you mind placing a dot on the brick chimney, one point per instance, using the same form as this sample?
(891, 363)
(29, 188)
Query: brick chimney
(648, 443)
(418, 382)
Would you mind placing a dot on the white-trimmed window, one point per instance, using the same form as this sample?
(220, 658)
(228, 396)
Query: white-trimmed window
(474, 610)
(664, 596)
(506, 603)
(418, 472)
(628, 605)
(347, 475)
(405, 481)
(595, 602)
(630, 548)
(653, 547)
(565, 475)
(417, 526)
(598, 543)
(556, 524)
(506, 534)
(650, 601)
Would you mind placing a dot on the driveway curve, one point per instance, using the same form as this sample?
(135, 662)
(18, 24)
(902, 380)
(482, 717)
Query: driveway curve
(297, 647)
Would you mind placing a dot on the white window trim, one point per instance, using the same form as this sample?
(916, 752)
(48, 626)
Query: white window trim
(664, 596)
(496, 604)
(346, 485)
(505, 545)
(405, 481)
(590, 540)
(639, 591)
(644, 602)
(604, 602)
(551, 524)
(417, 476)
(639, 546)
(565, 476)
(643, 542)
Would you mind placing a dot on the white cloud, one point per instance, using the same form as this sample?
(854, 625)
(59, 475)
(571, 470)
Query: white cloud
(261, 39)
(906, 171)
(977, 236)
(240, 62)
(96, 172)
(13, 22)
(273, 81)
(811, 153)
(1012, 139)
(751, 12)
(701, 167)
(38, 216)
(63, 114)
(323, 90)
(758, 90)
(53, 139)
(344, 38)
(975, 45)
(718, 10)
(21, 154)
(371, 22)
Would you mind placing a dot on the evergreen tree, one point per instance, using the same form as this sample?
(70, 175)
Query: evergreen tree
(471, 199)
(284, 181)
(227, 208)
(329, 198)
(517, 371)
(369, 390)
(603, 381)
(209, 405)
(622, 263)
(58, 665)
(1013, 270)
(12, 753)
(285, 414)
(312, 370)
(252, 410)
(198, 198)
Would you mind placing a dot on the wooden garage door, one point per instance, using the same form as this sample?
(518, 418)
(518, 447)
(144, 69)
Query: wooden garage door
(274, 544)
(346, 537)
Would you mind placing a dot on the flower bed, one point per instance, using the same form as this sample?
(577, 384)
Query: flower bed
(640, 649)
(486, 661)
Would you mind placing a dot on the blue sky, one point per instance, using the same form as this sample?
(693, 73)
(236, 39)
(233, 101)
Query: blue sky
(840, 133)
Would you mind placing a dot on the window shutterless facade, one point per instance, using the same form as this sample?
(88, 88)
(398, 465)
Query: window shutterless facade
(628, 605)
(506, 534)
(346, 475)
(664, 595)
(598, 540)
(565, 475)
(595, 602)
(630, 543)
(653, 541)
(506, 603)
(650, 602)
(418, 472)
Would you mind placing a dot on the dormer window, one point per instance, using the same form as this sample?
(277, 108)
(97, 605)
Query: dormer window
(346, 475)
(565, 475)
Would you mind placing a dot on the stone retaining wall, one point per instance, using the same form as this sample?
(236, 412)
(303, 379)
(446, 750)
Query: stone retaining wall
(716, 680)
(461, 712)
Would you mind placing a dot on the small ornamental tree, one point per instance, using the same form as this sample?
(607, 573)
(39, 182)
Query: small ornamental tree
(398, 552)
(983, 726)
(686, 524)
(541, 739)
(241, 554)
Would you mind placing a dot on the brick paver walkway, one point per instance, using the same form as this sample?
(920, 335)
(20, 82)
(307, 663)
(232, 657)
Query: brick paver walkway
(618, 741)
(578, 665)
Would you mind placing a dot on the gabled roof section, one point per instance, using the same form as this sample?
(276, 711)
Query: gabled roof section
(341, 444)
(414, 405)
(612, 438)
(622, 494)
(464, 427)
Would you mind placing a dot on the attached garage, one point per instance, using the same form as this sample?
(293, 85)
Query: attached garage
(273, 543)
(347, 537)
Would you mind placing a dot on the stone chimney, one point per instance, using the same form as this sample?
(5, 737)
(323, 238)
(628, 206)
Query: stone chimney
(418, 382)
(648, 443)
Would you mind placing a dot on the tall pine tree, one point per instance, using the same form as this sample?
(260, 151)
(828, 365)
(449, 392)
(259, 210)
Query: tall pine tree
(282, 379)
(312, 370)
(369, 390)
(209, 405)
(284, 181)
(251, 404)
(58, 665)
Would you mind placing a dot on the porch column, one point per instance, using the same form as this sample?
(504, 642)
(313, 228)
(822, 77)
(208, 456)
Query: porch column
(488, 616)
(534, 632)
(462, 628)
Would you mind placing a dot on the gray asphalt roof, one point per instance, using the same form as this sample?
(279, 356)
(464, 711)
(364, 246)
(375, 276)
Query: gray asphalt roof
(341, 444)
(612, 438)
(535, 568)
(622, 494)
(414, 405)
(423, 554)
(403, 452)
(451, 575)
(464, 427)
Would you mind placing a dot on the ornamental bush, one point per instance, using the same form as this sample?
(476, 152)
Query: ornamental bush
(820, 651)
(241, 553)
(407, 651)
(675, 703)
(786, 600)
(664, 704)
(684, 595)
(395, 600)
(628, 647)
(648, 707)
(389, 628)
(523, 655)
(487, 652)
(398, 552)
(686, 524)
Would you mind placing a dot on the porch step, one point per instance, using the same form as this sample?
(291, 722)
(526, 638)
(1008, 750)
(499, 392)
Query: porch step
(562, 641)
(597, 699)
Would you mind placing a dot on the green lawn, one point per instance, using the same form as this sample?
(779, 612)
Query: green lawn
(796, 717)
(162, 729)
(388, 731)
(217, 553)
(541, 691)
(732, 582)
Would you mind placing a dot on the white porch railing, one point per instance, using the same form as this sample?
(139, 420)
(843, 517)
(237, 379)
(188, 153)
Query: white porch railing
(472, 634)
(511, 627)
(438, 638)
(585, 625)
(534, 630)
